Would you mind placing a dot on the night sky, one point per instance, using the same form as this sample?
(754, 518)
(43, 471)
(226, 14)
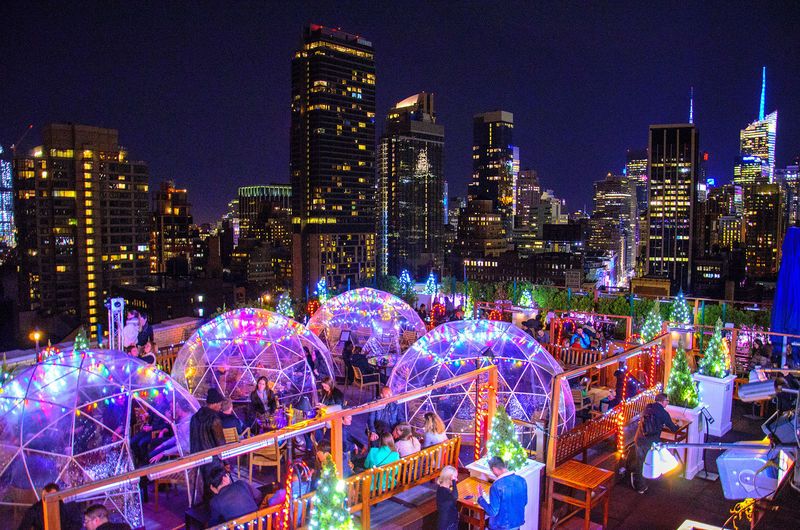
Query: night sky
(201, 90)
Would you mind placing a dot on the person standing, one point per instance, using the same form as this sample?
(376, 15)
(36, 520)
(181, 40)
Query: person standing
(145, 334)
(651, 423)
(506, 500)
(446, 497)
(130, 331)
(205, 427)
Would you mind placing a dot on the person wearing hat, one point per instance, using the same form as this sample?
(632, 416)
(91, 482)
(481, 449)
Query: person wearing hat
(205, 427)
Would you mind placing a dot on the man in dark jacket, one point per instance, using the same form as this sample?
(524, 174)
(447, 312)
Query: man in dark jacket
(96, 518)
(34, 515)
(205, 427)
(385, 419)
(229, 418)
(231, 499)
(506, 500)
(651, 423)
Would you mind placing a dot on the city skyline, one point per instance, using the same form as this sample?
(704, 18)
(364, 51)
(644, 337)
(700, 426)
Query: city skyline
(225, 83)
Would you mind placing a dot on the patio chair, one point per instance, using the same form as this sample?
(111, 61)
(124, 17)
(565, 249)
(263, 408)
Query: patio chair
(232, 436)
(361, 380)
(270, 456)
(581, 402)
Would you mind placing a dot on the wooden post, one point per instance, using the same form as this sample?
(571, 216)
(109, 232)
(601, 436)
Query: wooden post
(336, 445)
(366, 486)
(491, 396)
(666, 344)
(628, 328)
(552, 433)
(52, 515)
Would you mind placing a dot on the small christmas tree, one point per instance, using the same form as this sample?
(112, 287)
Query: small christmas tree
(679, 310)
(503, 441)
(526, 299)
(681, 389)
(469, 309)
(285, 305)
(406, 283)
(328, 508)
(652, 324)
(322, 290)
(716, 362)
(81, 342)
(431, 287)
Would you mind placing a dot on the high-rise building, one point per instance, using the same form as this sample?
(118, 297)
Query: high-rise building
(411, 188)
(672, 170)
(613, 223)
(718, 225)
(332, 159)
(480, 230)
(750, 170)
(636, 171)
(789, 179)
(758, 140)
(764, 228)
(171, 245)
(529, 195)
(7, 237)
(265, 214)
(83, 219)
(495, 164)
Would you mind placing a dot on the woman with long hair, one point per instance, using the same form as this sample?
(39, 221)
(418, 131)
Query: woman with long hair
(405, 441)
(330, 395)
(434, 430)
(381, 456)
(446, 497)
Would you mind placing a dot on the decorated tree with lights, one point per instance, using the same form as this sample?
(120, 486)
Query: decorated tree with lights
(328, 508)
(679, 310)
(469, 308)
(716, 361)
(406, 283)
(322, 290)
(81, 342)
(431, 287)
(681, 388)
(284, 306)
(526, 299)
(652, 324)
(503, 441)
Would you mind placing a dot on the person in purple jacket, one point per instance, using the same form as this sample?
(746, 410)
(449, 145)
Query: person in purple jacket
(506, 500)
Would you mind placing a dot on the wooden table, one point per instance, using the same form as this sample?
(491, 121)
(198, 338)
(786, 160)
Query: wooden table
(681, 435)
(469, 509)
(594, 482)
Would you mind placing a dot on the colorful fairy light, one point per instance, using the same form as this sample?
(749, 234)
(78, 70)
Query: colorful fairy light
(716, 361)
(431, 287)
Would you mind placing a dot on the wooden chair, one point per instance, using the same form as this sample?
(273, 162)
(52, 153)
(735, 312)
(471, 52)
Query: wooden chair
(361, 381)
(581, 402)
(270, 455)
(231, 437)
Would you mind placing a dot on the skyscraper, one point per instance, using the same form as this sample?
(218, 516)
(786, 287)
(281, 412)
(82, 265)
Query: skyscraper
(613, 222)
(332, 160)
(83, 219)
(757, 140)
(672, 170)
(265, 214)
(529, 194)
(636, 171)
(764, 229)
(411, 188)
(171, 245)
(7, 238)
(495, 164)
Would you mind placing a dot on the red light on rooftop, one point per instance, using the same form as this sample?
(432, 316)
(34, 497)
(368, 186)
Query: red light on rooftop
(705, 157)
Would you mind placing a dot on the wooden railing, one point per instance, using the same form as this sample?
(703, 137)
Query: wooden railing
(574, 357)
(364, 490)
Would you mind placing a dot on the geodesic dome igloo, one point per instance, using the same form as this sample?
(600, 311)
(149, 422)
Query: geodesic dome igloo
(365, 313)
(236, 348)
(526, 372)
(68, 420)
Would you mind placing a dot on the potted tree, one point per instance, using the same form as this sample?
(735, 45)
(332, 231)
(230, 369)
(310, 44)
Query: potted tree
(684, 404)
(716, 382)
(680, 316)
(502, 442)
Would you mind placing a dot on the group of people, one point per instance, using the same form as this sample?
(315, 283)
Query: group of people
(769, 356)
(95, 517)
(137, 336)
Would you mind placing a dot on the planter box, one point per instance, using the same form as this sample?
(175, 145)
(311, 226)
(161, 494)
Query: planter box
(532, 473)
(717, 394)
(694, 457)
(682, 336)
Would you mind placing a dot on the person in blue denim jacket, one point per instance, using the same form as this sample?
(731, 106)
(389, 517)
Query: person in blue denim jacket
(506, 500)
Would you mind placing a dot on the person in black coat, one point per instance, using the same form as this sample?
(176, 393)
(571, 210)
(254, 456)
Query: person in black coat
(96, 518)
(330, 395)
(229, 418)
(347, 357)
(446, 497)
(231, 499)
(263, 399)
(205, 427)
(651, 422)
(145, 331)
(33, 519)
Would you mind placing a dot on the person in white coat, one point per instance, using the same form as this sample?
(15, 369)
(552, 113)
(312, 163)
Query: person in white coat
(130, 333)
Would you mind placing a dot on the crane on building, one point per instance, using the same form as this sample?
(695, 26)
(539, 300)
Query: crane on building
(15, 145)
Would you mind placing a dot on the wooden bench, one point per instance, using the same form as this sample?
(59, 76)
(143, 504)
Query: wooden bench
(366, 489)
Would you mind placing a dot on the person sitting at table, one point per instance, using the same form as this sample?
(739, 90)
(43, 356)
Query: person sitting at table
(446, 497)
(404, 440)
(434, 430)
(263, 399)
(423, 313)
(758, 356)
(582, 339)
(382, 455)
(354, 449)
(382, 421)
(360, 361)
(507, 497)
(330, 395)
(311, 360)
(229, 418)
(231, 499)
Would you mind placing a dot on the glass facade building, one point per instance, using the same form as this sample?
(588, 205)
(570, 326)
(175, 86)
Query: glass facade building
(332, 159)
(672, 170)
(758, 140)
(411, 213)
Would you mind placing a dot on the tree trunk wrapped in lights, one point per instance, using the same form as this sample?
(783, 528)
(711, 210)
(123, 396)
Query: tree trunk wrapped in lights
(503, 441)
(329, 509)
(681, 387)
(716, 361)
